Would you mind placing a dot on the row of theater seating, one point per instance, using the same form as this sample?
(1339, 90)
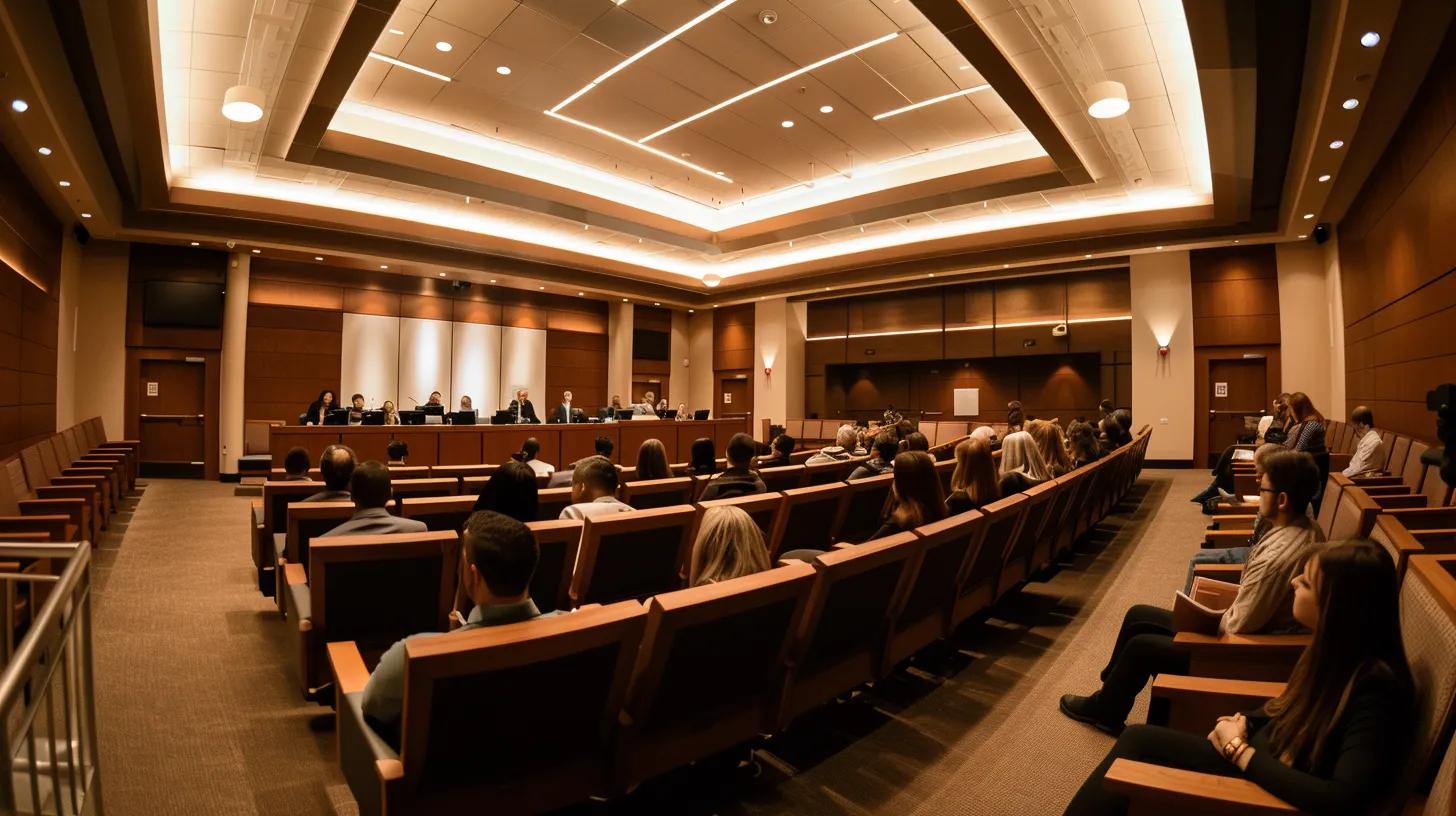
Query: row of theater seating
(822, 431)
(67, 486)
(645, 675)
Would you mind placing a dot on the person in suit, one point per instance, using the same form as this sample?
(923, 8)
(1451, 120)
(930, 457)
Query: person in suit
(563, 411)
(370, 490)
(319, 408)
(336, 464)
(739, 478)
(522, 408)
(496, 563)
(647, 407)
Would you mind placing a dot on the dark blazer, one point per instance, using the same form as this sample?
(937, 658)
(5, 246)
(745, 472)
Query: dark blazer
(314, 415)
(526, 409)
(559, 413)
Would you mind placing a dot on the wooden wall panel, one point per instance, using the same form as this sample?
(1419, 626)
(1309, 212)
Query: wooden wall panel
(30, 257)
(1062, 386)
(576, 361)
(292, 354)
(171, 263)
(1398, 264)
(733, 337)
(1235, 296)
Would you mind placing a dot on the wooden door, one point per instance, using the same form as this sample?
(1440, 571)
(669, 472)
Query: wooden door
(172, 398)
(1236, 389)
(732, 398)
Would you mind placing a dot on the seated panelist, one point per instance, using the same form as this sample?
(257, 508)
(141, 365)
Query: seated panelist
(319, 408)
(356, 409)
(647, 407)
(563, 411)
(522, 409)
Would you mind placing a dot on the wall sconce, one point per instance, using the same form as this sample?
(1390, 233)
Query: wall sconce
(1163, 351)
(768, 371)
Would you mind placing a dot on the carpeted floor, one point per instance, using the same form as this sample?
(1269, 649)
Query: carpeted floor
(199, 713)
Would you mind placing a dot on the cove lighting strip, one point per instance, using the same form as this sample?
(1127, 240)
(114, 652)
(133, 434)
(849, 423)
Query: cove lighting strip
(942, 98)
(772, 83)
(401, 63)
(661, 41)
(985, 327)
(647, 148)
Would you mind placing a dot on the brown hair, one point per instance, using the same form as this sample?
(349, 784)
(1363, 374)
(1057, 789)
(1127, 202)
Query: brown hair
(1303, 409)
(918, 497)
(652, 461)
(975, 472)
(1051, 443)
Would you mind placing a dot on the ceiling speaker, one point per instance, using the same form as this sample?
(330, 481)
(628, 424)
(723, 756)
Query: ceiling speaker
(1321, 233)
(82, 234)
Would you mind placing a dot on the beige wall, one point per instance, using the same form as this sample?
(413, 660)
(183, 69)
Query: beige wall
(700, 360)
(1335, 296)
(679, 372)
(1310, 329)
(619, 352)
(234, 357)
(70, 284)
(100, 356)
(779, 328)
(1162, 387)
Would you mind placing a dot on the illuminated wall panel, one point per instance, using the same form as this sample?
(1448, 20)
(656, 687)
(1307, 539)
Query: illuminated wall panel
(424, 360)
(369, 364)
(475, 366)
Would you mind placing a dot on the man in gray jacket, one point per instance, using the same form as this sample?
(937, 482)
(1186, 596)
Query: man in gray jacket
(371, 491)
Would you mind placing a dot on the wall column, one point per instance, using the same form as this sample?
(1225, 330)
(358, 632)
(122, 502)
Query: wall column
(233, 361)
(1162, 386)
(779, 328)
(1335, 296)
(1307, 321)
(70, 283)
(619, 351)
(100, 358)
(700, 360)
(679, 372)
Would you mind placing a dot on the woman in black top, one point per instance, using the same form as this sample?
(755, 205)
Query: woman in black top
(1336, 740)
(319, 408)
(1082, 439)
(973, 483)
(1308, 435)
(511, 491)
(915, 494)
(702, 461)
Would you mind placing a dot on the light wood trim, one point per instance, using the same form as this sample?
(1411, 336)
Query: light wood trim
(350, 674)
(1175, 788)
(1177, 686)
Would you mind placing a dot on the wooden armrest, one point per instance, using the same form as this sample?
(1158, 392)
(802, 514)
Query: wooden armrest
(101, 472)
(46, 507)
(350, 675)
(1400, 502)
(81, 492)
(1372, 481)
(53, 526)
(293, 573)
(1240, 509)
(1232, 522)
(94, 482)
(1194, 704)
(121, 443)
(1169, 790)
(1244, 657)
(1386, 490)
(1226, 538)
(1219, 572)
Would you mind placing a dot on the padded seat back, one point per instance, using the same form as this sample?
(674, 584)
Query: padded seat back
(983, 569)
(380, 588)
(558, 542)
(864, 507)
(551, 501)
(1355, 516)
(309, 520)
(925, 613)
(1330, 503)
(276, 498)
(1016, 564)
(1414, 471)
(397, 472)
(944, 469)
(1387, 444)
(809, 519)
(418, 488)
(783, 478)
(829, 472)
(439, 513)
(1434, 488)
(1428, 627)
(763, 508)
(1397, 455)
(632, 555)
(654, 493)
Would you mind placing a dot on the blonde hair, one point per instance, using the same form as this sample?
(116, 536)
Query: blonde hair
(1052, 444)
(1020, 454)
(729, 545)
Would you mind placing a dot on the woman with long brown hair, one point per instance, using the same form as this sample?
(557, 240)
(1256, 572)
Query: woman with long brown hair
(652, 461)
(1336, 740)
(1308, 434)
(915, 493)
(1052, 444)
(973, 482)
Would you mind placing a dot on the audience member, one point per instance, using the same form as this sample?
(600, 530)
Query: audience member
(604, 446)
(973, 483)
(1370, 451)
(1104, 408)
(738, 479)
(986, 434)
(783, 445)
(1124, 420)
(1082, 440)
(496, 563)
(729, 545)
(511, 491)
(1015, 419)
(1239, 554)
(1308, 435)
(886, 446)
(1144, 644)
(1053, 446)
(702, 457)
(1337, 738)
(915, 494)
(295, 465)
(370, 490)
(652, 461)
(1021, 464)
(593, 490)
(916, 441)
(1111, 436)
(845, 440)
(336, 465)
(398, 451)
(529, 449)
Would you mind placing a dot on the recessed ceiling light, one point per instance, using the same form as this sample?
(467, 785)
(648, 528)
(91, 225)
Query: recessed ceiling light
(1325, 177)
(1304, 236)
(691, 311)
(85, 215)
(1088, 255)
(1337, 144)
(1005, 266)
(965, 67)
(1308, 216)
(407, 66)
(624, 300)
(712, 279)
(542, 288)
(655, 303)
(19, 105)
(442, 274)
(788, 123)
(1160, 247)
(384, 266)
(44, 151)
(64, 183)
(1109, 100)
(492, 280)
(444, 47)
(243, 104)
(318, 257)
(397, 32)
(581, 294)
(1370, 39)
(257, 252)
(1236, 240)
(503, 70)
(1350, 104)
(826, 109)
(194, 243)
(717, 172)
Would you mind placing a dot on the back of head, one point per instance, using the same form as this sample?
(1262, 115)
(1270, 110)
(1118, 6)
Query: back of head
(846, 437)
(1014, 416)
(295, 463)
(597, 473)
(503, 551)
(741, 449)
(1104, 407)
(703, 453)
(784, 444)
(1049, 441)
(369, 485)
(1111, 430)
(916, 441)
(604, 446)
(1124, 419)
(917, 486)
(1362, 415)
(652, 461)
(886, 446)
(985, 433)
(729, 545)
(1303, 408)
(1266, 450)
(975, 472)
(337, 466)
(512, 491)
(398, 449)
(1295, 474)
(530, 448)
(1020, 454)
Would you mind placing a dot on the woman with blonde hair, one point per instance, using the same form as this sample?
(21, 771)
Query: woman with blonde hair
(729, 545)
(973, 483)
(1022, 465)
(1052, 444)
(652, 462)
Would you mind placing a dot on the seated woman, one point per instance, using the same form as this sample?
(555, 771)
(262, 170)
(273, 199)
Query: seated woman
(1336, 740)
(511, 491)
(1021, 464)
(729, 545)
(973, 483)
(1053, 446)
(391, 416)
(319, 409)
(1082, 442)
(1015, 419)
(652, 462)
(915, 494)
(702, 460)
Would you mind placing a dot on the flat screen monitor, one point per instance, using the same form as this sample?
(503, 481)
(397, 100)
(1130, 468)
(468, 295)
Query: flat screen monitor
(462, 418)
(372, 418)
(624, 414)
(670, 413)
(337, 416)
(411, 417)
(182, 304)
(701, 414)
(431, 410)
(503, 417)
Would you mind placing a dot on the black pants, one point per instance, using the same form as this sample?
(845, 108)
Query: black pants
(1223, 470)
(1144, 648)
(1153, 744)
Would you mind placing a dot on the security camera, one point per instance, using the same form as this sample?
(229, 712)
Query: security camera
(232, 244)
(768, 16)
(1059, 330)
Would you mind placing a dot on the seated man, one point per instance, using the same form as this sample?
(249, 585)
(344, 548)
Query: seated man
(1370, 451)
(845, 440)
(356, 409)
(371, 491)
(295, 465)
(336, 464)
(783, 445)
(886, 446)
(529, 449)
(738, 479)
(562, 477)
(1263, 604)
(1239, 554)
(647, 407)
(496, 562)
(593, 490)
(398, 451)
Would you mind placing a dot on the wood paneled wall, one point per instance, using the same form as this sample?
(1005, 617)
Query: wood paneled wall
(1235, 296)
(1063, 386)
(1398, 264)
(30, 262)
(295, 330)
(652, 372)
(733, 357)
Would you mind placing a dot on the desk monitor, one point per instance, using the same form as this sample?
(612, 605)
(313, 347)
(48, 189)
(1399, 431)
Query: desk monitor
(411, 417)
(624, 414)
(701, 414)
(503, 417)
(431, 410)
(337, 416)
(462, 418)
(670, 413)
(372, 418)
(604, 414)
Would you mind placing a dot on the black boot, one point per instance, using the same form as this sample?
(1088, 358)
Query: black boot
(1086, 710)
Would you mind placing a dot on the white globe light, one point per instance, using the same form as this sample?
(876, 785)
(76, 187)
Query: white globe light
(243, 103)
(1109, 100)
(711, 279)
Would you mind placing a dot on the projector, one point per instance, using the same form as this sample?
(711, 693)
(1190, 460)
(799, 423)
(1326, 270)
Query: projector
(1059, 330)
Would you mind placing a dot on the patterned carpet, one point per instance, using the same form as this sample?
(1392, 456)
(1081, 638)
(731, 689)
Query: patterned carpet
(199, 713)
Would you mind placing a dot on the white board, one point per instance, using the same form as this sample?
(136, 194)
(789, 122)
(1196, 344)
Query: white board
(967, 402)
